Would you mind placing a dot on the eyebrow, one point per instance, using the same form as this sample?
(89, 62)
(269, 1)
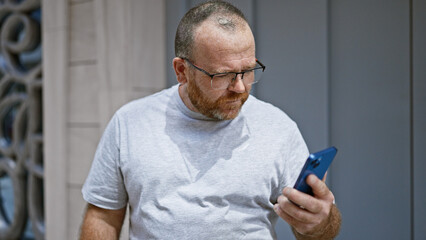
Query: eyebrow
(233, 71)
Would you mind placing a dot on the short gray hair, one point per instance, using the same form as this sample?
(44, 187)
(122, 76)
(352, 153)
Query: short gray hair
(227, 17)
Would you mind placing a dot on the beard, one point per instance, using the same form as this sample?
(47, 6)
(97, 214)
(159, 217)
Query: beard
(226, 107)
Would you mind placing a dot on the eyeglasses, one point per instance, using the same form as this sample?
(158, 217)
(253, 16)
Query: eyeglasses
(223, 80)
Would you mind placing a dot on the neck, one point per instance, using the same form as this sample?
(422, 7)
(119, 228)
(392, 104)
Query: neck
(183, 93)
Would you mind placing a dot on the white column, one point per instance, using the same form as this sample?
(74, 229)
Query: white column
(98, 55)
(55, 75)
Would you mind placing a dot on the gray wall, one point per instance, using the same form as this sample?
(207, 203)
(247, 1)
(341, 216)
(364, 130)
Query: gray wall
(370, 116)
(418, 118)
(351, 74)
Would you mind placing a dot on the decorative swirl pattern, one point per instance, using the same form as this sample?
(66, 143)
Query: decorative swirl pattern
(21, 138)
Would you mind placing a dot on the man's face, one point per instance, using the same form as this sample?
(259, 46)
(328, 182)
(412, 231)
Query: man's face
(216, 51)
(225, 107)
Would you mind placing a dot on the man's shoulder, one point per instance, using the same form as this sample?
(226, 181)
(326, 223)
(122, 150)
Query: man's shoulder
(156, 100)
(266, 111)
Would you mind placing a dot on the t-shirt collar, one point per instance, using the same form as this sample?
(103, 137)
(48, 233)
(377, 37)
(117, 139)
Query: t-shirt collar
(188, 112)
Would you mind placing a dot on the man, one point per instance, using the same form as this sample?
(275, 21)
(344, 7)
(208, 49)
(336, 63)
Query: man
(204, 159)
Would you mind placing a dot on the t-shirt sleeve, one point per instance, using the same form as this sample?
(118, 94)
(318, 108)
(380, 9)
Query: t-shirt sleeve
(295, 154)
(104, 186)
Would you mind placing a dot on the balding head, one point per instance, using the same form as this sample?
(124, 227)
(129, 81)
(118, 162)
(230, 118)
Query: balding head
(222, 14)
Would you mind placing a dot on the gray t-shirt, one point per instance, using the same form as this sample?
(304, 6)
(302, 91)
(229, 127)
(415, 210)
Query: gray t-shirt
(185, 176)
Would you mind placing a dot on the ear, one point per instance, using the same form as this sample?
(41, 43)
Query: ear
(180, 70)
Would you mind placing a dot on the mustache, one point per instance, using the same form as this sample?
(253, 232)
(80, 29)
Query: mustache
(233, 97)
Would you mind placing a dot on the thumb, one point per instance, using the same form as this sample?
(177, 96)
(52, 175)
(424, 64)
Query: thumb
(319, 188)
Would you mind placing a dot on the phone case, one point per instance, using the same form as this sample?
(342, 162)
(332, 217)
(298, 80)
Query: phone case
(317, 163)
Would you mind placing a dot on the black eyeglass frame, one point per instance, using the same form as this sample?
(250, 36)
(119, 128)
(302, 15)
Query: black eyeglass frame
(224, 73)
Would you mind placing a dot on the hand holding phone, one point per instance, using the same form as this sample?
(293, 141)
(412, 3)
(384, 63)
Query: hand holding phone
(317, 163)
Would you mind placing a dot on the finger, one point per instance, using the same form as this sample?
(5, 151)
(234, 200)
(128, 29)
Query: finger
(290, 220)
(295, 223)
(284, 203)
(285, 209)
(325, 177)
(302, 200)
(319, 188)
(300, 214)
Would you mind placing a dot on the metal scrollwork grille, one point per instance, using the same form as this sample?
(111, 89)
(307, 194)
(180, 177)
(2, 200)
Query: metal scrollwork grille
(21, 139)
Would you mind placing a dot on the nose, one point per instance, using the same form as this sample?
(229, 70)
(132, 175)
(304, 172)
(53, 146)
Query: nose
(237, 85)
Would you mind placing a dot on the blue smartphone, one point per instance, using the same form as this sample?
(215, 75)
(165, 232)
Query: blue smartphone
(317, 163)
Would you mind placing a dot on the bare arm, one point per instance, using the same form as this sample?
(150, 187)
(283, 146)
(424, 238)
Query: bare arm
(102, 223)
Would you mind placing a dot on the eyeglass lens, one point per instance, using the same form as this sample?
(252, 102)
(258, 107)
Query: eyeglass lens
(222, 81)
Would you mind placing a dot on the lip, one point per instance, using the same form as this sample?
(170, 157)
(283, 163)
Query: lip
(233, 101)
